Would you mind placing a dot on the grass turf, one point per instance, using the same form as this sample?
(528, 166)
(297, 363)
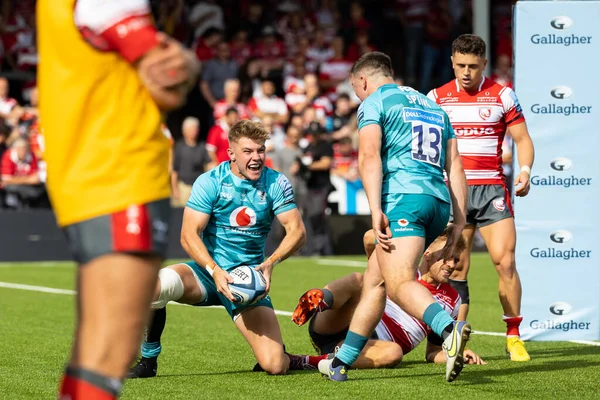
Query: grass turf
(205, 357)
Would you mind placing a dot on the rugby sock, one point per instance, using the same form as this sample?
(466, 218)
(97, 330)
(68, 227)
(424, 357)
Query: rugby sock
(313, 361)
(438, 320)
(299, 363)
(82, 384)
(350, 350)
(327, 299)
(512, 325)
(151, 346)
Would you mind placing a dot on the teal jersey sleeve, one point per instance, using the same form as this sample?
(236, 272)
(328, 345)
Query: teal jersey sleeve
(370, 111)
(282, 194)
(204, 193)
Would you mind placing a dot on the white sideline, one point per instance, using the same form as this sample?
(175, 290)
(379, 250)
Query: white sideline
(32, 288)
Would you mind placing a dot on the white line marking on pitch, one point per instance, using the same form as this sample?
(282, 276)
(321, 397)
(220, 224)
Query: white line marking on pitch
(343, 263)
(32, 288)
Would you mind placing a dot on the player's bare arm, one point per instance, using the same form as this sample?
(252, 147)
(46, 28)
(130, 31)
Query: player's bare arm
(369, 165)
(457, 185)
(525, 155)
(435, 354)
(192, 226)
(295, 236)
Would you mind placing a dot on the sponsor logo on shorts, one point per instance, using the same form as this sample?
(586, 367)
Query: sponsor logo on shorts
(402, 222)
(499, 204)
(403, 226)
(242, 217)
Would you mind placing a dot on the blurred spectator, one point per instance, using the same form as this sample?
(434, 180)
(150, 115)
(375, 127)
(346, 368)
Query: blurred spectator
(216, 72)
(204, 15)
(254, 22)
(292, 27)
(206, 46)
(335, 71)
(7, 104)
(287, 161)
(503, 72)
(217, 142)
(20, 178)
(321, 104)
(241, 48)
(327, 17)
(356, 22)
(317, 161)
(231, 99)
(276, 140)
(294, 74)
(342, 123)
(359, 46)
(413, 14)
(320, 51)
(270, 52)
(190, 160)
(345, 160)
(437, 38)
(267, 103)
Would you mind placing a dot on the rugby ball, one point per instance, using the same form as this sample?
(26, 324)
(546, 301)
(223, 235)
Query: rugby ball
(249, 285)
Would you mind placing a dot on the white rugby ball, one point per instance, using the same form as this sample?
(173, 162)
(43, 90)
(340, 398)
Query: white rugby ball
(249, 285)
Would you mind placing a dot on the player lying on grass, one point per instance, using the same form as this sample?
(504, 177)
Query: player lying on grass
(225, 225)
(330, 310)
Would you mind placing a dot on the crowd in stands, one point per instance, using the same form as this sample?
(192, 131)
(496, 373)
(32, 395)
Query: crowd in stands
(281, 62)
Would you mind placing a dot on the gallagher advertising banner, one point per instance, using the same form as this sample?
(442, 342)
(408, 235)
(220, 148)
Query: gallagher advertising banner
(557, 54)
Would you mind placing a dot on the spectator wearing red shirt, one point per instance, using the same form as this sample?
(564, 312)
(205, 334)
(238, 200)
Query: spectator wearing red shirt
(232, 95)
(269, 51)
(7, 104)
(20, 180)
(360, 46)
(268, 103)
(217, 141)
(503, 71)
(241, 49)
(335, 71)
(206, 46)
(320, 51)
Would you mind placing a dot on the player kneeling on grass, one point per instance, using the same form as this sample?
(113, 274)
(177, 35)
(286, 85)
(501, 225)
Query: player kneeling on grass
(225, 225)
(330, 310)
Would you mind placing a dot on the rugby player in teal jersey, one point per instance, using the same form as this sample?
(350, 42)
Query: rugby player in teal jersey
(405, 144)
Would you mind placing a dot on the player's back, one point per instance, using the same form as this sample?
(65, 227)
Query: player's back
(241, 212)
(414, 135)
(104, 147)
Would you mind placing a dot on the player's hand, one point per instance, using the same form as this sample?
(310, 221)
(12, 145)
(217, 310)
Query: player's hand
(222, 280)
(266, 268)
(381, 227)
(447, 252)
(522, 183)
(472, 358)
(171, 65)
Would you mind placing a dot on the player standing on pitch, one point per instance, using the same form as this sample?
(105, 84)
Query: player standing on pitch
(405, 144)
(481, 111)
(105, 76)
(225, 225)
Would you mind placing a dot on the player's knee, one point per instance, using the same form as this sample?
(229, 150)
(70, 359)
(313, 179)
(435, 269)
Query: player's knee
(171, 287)
(357, 279)
(369, 242)
(276, 364)
(506, 266)
(390, 358)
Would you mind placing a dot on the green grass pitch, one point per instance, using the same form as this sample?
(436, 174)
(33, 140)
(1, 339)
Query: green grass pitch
(204, 357)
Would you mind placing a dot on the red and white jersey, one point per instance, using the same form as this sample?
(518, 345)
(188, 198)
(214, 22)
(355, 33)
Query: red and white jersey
(398, 326)
(335, 69)
(221, 107)
(268, 105)
(480, 120)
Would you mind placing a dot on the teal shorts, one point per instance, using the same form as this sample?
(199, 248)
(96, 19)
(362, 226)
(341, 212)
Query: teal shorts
(214, 298)
(417, 215)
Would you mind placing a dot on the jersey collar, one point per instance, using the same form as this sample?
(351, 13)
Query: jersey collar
(458, 88)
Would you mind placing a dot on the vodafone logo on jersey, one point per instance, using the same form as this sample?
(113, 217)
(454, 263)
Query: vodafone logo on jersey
(243, 217)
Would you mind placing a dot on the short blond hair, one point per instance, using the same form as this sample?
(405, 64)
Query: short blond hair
(249, 129)
(461, 244)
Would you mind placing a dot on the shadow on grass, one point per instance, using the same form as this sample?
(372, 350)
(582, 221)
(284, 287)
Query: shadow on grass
(572, 351)
(220, 373)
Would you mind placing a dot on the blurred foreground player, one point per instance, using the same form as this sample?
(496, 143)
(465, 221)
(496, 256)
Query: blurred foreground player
(330, 310)
(225, 225)
(105, 77)
(481, 112)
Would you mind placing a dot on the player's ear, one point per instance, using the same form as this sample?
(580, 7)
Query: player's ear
(231, 154)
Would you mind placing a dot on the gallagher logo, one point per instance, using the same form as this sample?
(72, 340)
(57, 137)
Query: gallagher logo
(561, 92)
(242, 217)
(560, 308)
(561, 236)
(561, 22)
(560, 164)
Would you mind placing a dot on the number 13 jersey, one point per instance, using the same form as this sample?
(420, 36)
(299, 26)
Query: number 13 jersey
(415, 131)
